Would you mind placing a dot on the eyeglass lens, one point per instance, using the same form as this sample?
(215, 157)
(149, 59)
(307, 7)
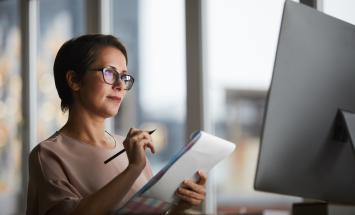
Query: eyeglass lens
(111, 76)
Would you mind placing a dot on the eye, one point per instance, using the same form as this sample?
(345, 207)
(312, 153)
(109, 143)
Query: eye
(126, 77)
(109, 74)
(109, 71)
(128, 80)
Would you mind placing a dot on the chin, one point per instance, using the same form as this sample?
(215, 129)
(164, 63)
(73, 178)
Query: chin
(111, 112)
(107, 115)
(108, 110)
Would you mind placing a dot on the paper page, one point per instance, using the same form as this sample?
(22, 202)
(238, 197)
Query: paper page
(205, 153)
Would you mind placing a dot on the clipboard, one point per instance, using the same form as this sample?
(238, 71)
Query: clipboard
(203, 152)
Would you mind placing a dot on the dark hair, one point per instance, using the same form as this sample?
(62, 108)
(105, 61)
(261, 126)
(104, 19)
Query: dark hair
(77, 55)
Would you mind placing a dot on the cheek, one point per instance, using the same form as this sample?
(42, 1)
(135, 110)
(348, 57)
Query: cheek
(95, 91)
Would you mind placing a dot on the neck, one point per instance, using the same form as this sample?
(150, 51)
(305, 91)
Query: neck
(86, 127)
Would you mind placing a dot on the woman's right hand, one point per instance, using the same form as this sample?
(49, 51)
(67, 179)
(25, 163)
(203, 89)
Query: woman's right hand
(135, 144)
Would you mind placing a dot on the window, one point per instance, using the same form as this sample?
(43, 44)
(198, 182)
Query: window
(10, 106)
(59, 21)
(241, 45)
(154, 33)
(342, 9)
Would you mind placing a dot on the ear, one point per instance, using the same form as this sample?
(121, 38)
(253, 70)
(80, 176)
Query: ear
(72, 80)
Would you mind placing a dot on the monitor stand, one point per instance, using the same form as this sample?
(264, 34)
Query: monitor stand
(322, 208)
(345, 127)
(345, 132)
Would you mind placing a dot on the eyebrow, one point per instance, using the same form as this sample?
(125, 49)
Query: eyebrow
(109, 66)
(113, 67)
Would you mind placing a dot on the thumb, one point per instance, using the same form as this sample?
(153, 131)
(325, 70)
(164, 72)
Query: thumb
(202, 177)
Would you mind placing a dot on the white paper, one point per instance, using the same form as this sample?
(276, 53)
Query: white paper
(203, 155)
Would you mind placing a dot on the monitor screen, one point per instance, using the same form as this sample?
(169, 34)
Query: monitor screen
(313, 78)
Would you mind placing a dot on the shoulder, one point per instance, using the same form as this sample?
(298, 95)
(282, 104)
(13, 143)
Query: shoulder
(46, 145)
(46, 156)
(45, 148)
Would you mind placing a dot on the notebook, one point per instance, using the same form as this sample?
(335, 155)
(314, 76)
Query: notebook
(203, 152)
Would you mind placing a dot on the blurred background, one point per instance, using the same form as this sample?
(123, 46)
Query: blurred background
(198, 64)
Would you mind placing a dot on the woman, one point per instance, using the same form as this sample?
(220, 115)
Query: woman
(67, 172)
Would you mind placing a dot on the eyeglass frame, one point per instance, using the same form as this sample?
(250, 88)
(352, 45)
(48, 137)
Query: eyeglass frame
(120, 75)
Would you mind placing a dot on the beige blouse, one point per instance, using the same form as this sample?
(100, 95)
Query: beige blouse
(62, 171)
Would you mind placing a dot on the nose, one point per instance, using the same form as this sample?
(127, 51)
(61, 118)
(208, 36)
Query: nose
(119, 84)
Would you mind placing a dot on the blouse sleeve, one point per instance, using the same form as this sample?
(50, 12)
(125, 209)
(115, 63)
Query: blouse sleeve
(49, 191)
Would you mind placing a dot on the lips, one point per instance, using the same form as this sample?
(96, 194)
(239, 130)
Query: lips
(115, 98)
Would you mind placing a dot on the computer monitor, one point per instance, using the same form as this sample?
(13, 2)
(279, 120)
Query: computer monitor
(306, 149)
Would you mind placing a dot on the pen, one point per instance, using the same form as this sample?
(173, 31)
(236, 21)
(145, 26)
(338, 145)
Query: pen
(123, 150)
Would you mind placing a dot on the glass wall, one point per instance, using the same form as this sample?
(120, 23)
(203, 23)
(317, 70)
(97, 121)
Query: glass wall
(241, 44)
(58, 22)
(154, 32)
(10, 105)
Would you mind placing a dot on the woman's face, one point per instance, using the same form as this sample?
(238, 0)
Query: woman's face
(95, 95)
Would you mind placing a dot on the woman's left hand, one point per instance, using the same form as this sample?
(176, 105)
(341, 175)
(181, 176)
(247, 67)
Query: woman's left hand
(193, 192)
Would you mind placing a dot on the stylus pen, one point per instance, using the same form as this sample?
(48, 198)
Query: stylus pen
(123, 150)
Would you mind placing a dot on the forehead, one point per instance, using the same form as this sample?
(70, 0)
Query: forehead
(110, 56)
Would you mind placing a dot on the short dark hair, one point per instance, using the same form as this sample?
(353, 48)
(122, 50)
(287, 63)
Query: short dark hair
(77, 55)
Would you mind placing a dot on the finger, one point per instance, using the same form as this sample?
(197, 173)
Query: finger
(191, 201)
(194, 186)
(150, 146)
(190, 193)
(133, 132)
(135, 141)
(147, 141)
(145, 135)
(138, 136)
(203, 177)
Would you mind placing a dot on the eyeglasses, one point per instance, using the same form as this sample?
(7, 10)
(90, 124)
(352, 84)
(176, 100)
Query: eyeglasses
(111, 76)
